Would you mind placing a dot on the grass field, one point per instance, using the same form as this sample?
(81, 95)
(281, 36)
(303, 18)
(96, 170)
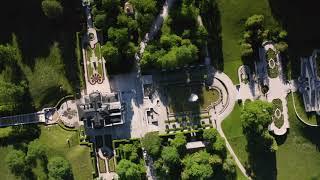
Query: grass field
(233, 15)
(298, 156)
(55, 139)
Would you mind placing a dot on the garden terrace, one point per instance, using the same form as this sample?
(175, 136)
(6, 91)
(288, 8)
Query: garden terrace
(94, 64)
(278, 118)
(273, 63)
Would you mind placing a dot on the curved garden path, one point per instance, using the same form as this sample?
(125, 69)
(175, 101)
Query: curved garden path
(218, 118)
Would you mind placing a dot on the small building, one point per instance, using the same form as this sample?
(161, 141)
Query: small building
(99, 110)
(195, 146)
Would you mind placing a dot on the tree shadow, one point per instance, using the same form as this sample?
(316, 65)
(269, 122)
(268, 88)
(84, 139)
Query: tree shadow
(21, 134)
(299, 20)
(212, 22)
(36, 33)
(312, 134)
(261, 164)
(281, 139)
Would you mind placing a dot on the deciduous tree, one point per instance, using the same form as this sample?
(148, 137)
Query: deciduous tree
(152, 143)
(129, 170)
(16, 161)
(59, 168)
(52, 8)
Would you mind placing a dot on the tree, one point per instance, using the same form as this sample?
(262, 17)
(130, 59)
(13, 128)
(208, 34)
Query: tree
(130, 152)
(219, 146)
(100, 20)
(210, 134)
(170, 156)
(59, 168)
(161, 168)
(130, 51)
(118, 36)
(152, 143)
(129, 170)
(10, 97)
(52, 8)
(108, 5)
(16, 161)
(197, 166)
(229, 168)
(256, 117)
(246, 50)
(179, 142)
(36, 150)
(281, 46)
(127, 21)
(283, 35)
(146, 10)
(254, 22)
(110, 53)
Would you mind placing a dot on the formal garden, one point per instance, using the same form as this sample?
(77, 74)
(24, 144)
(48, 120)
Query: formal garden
(278, 118)
(41, 152)
(94, 64)
(273, 63)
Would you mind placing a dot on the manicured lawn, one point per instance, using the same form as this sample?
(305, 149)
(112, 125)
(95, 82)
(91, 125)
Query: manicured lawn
(309, 117)
(55, 139)
(232, 128)
(233, 15)
(298, 156)
(209, 96)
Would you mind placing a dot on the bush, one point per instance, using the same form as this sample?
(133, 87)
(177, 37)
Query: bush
(52, 8)
(59, 168)
(16, 161)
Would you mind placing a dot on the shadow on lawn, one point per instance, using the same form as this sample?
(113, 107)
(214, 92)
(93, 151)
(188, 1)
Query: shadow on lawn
(21, 134)
(36, 33)
(261, 164)
(300, 21)
(212, 22)
(312, 134)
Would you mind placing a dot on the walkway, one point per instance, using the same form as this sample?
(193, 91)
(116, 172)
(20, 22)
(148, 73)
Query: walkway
(232, 98)
(47, 115)
(278, 89)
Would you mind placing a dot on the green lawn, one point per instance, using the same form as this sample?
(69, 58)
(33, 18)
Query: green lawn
(232, 128)
(233, 15)
(298, 156)
(55, 139)
(309, 117)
